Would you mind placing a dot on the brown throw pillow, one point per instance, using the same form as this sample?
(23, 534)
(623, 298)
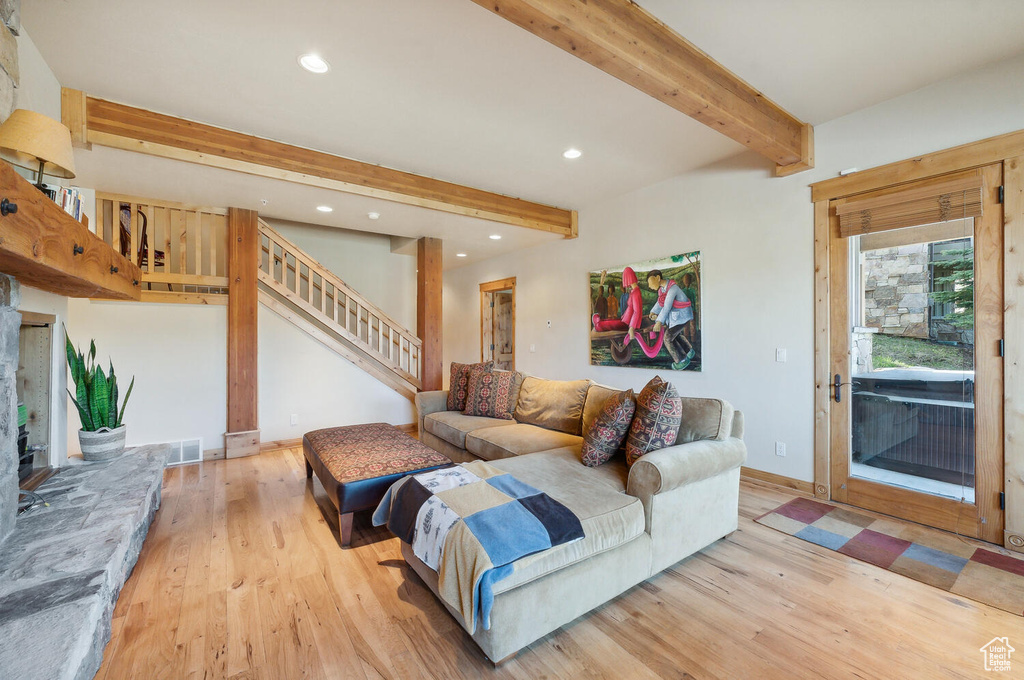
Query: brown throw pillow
(459, 383)
(659, 412)
(604, 436)
(491, 394)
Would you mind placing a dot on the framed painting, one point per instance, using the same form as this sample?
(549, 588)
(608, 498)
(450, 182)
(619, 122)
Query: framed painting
(648, 314)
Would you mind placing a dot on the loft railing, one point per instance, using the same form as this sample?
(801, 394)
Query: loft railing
(393, 352)
(181, 249)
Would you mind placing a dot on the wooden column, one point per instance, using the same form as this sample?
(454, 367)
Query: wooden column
(243, 434)
(428, 310)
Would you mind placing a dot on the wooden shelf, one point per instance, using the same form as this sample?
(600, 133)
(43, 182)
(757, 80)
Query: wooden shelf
(37, 247)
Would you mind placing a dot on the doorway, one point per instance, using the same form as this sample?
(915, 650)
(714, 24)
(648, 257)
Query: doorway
(916, 306)
(498, 323)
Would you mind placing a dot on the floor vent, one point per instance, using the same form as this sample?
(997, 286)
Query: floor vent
(186, 451)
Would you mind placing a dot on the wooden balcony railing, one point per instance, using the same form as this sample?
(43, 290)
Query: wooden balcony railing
(374, 340)
(181, 249)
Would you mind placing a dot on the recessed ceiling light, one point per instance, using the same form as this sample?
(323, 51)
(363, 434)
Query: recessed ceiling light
(373, 215)
(495, 237)
(325, 208)
(314, 63)
(572, 153)
(460, 254)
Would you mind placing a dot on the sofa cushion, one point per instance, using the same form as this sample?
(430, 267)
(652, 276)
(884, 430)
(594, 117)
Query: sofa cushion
(492, 443)
(597, 395)
(607, 432)
(553, 404)
(458, 383)
(453, 426)
(705, 419)
(610, 517)
(491, 394)
(656, 423)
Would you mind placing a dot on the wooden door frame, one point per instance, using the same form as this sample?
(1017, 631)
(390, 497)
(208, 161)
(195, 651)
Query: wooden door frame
(937, 511)
(494, 287)
(1008, 150)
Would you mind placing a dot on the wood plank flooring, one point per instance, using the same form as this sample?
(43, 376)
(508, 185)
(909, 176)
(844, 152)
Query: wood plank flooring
(242, 577)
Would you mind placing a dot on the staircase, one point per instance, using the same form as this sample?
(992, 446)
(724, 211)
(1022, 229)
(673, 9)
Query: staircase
(304, 292)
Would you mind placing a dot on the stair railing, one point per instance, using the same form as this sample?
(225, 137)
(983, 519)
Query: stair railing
(292, 274)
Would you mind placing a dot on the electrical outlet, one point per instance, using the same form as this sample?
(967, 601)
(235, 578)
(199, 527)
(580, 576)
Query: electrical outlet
(295, 419)
(533, 348)
(780, 355)
(780, 449)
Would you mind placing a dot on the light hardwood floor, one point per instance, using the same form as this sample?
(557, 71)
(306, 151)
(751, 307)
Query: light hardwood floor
(242, 577)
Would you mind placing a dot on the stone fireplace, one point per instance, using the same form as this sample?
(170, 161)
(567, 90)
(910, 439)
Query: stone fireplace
(10, 326)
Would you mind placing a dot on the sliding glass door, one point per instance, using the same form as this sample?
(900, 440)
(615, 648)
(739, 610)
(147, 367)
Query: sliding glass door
(916, 324)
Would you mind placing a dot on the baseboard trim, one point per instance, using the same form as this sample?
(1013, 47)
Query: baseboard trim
(280, 444)
(214, 454)
(751, 474)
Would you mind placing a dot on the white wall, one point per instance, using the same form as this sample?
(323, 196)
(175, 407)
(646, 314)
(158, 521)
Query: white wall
(300, 376)
(178, 355)
(39, 89)
(755, 235)
(364, 261)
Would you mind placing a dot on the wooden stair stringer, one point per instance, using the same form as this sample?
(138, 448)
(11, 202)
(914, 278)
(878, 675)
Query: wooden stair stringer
(333, 341)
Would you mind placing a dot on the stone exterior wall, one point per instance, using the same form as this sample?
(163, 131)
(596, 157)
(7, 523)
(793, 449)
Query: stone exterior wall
(10, 16)
(10, 326)
(896, 290)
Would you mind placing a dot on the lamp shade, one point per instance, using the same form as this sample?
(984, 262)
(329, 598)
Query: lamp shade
(27, 137)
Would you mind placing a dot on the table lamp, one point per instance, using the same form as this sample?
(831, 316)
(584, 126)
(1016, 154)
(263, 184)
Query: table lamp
(34, 141)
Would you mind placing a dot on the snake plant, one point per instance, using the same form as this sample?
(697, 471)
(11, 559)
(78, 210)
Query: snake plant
(96, 392)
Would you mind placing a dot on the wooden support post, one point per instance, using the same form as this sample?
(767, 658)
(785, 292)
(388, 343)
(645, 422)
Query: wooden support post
(243, 434)
(428, 311)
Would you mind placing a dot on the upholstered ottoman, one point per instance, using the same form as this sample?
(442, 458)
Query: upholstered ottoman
(356, 464)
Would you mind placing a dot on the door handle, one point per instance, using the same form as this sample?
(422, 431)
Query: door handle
(837, 383)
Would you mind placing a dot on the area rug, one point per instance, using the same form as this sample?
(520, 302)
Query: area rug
(927, 555)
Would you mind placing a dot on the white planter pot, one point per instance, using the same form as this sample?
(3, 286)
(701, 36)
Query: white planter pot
(103, 444)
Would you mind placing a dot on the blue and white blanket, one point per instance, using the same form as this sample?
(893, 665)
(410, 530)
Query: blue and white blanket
(469, 523)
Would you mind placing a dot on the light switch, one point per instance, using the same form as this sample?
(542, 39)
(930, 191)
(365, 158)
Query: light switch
(780, 355)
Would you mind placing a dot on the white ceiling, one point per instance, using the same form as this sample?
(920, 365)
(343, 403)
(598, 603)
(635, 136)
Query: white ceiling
(447, 89)
(822, 59)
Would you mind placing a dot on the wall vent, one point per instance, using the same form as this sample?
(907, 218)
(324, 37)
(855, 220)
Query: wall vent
(185, 451)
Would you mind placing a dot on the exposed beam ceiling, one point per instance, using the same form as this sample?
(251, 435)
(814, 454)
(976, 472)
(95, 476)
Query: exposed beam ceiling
(97, 121)
(623, 40)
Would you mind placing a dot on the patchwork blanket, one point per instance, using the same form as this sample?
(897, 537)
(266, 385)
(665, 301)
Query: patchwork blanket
(469, 523)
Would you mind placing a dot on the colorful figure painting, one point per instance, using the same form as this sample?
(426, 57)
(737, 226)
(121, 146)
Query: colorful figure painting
(647, 315)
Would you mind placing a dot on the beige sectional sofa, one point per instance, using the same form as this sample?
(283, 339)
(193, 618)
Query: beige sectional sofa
(637, 521)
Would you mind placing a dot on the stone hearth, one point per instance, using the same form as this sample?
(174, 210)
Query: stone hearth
(63, 567)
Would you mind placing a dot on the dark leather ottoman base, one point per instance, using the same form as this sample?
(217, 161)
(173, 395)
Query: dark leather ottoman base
(357, 463)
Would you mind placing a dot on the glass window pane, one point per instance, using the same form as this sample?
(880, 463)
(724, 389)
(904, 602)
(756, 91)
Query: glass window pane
(912, 406)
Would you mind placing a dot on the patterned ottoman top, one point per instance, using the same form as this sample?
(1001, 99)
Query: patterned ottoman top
(358, 452)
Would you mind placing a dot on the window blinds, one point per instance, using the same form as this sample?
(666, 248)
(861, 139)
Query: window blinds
(951, 200)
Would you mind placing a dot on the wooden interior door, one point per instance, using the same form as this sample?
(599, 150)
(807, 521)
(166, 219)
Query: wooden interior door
(884, 413)
(498, 323)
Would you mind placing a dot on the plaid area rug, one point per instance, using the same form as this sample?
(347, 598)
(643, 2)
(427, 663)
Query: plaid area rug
(927, 555)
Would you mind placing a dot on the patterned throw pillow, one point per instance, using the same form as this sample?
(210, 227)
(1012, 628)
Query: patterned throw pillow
(459, 383)
(491, 394)
(604, 436)
(659, 412)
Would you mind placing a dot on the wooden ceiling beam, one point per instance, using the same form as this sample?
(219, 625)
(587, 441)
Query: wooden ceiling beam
(133, 129)
(623, 40)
